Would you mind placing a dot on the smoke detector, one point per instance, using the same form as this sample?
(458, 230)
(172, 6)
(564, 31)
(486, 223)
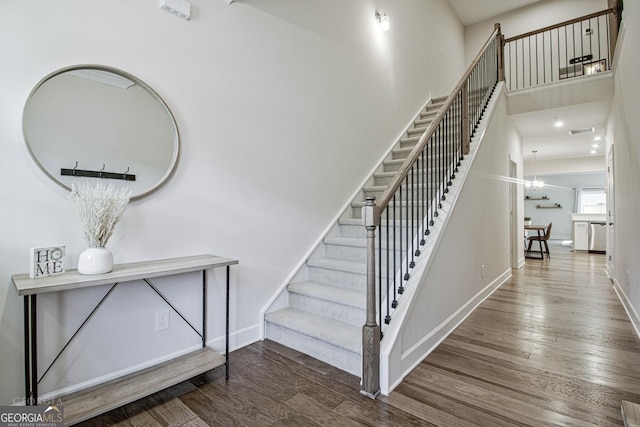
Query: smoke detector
(179, 8)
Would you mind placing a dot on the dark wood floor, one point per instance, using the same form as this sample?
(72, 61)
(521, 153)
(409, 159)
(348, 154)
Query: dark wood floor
(552, 346)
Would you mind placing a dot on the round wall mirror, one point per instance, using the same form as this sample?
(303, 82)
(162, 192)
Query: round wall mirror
(94, 122)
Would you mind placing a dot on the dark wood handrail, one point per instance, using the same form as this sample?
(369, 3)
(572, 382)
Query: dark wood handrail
(403, 171)
(561, 24)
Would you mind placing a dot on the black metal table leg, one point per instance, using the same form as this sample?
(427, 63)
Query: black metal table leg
(226, 363)
(204, 308)
(30, 351)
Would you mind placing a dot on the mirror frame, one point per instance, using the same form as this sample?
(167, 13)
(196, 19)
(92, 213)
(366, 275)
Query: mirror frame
(176, 136)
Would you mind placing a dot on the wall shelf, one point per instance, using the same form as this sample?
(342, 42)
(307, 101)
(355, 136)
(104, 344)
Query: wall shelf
(554, 206)
(537, 198)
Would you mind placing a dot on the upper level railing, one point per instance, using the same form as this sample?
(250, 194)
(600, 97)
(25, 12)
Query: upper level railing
(573, 48)
(405, 213)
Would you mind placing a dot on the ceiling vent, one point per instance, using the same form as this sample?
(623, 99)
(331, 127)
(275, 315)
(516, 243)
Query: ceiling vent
(583, 130)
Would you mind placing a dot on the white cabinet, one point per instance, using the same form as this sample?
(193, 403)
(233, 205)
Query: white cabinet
(581, 235)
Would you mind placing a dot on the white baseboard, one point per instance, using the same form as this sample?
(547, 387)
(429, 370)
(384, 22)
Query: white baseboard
(237, 339)
(628, 307)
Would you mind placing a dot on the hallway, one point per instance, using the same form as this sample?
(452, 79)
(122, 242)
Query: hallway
(552, 346)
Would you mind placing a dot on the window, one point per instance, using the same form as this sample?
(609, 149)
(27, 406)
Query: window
(592, 200)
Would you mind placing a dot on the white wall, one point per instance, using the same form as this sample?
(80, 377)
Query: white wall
(282, 107)
(528, 18)
(625, 135)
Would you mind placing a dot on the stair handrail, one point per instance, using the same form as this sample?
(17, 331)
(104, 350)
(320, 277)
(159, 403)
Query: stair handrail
(372, 211)
(562, 24)
(546, 64)
(383, 201)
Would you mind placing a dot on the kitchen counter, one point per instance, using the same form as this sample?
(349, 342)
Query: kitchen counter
(580, 229)
(589, 217)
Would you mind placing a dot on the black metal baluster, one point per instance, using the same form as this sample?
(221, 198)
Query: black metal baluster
(581, 43)
(406, 230)
(544, 57)
(608, 46)
(599, 41)
(413, 217)
(423, 204)
(380, 281)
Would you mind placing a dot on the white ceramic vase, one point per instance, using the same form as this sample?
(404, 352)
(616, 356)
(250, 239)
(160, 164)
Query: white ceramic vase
(95, 261)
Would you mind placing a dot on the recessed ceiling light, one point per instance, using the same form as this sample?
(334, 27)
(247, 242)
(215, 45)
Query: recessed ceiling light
(595, 145)
(597, 138)
(558, 123)
(592, 151)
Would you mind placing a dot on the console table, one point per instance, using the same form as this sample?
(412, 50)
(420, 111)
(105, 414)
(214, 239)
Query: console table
(104, 397)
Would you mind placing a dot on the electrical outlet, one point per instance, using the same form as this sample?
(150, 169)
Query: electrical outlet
(482, 270)
(162, 320)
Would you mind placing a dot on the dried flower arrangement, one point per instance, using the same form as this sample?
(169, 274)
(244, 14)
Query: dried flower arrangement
(100, 208)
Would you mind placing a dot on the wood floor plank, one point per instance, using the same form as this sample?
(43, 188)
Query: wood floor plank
(552, 346)
(321, 414)
(407, 402)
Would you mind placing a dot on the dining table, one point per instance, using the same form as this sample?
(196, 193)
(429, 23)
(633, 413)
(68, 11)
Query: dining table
(540, 229)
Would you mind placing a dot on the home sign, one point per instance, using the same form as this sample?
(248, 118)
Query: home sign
(46, 261)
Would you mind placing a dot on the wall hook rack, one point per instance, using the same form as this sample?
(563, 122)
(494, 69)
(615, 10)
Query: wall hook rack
(126, 176)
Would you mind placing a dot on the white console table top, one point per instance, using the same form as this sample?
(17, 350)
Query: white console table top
(71, 279)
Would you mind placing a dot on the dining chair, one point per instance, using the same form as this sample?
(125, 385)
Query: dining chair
(541, 240)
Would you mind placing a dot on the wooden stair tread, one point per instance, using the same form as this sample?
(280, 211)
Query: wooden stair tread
(85, 404)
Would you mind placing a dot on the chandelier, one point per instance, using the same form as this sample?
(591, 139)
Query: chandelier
(535, 184)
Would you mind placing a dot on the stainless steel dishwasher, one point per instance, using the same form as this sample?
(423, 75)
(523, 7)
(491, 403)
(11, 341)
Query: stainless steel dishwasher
(598, 237)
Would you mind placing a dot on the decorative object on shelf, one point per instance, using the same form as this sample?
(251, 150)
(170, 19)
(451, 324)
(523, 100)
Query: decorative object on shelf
(554, 206)
(535, 184)
(46, 261)
(536, 198)
(527, 220)
(100, 208)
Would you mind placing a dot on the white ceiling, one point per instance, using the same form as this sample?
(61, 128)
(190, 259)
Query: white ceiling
(539, 133)
(472, 11)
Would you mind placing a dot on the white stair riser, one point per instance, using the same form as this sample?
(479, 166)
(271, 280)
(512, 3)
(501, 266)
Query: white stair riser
(385, 179)
(341, 358)
(359, 231)
(357, 254)
(409, 192)
(436, 161)
(396, 212)
(436, 146)
(343, 313)
(338, 278)
(352, 230)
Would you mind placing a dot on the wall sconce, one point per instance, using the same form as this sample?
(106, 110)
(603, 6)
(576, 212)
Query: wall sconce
(383, 20)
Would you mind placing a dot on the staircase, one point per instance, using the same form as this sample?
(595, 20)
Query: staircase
(326, 306)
